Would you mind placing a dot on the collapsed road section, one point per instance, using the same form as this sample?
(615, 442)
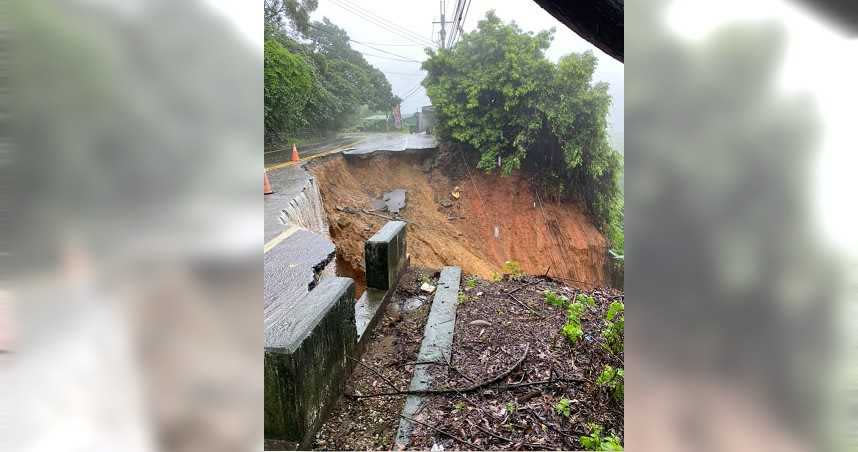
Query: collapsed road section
(488, 224)
(337, 231)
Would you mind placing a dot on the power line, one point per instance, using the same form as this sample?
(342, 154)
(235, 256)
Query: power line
(406, 97)
(390, 23)
(462, 21)
(383, 23)
(377, 23)
(411, 91)
(394, 44)
(387, 57)
(330, 33)
(459, 25)
(384, 51)
(457, 14)
(404, 73)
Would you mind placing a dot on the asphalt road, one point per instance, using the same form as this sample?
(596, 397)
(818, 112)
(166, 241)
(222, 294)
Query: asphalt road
(292, 253)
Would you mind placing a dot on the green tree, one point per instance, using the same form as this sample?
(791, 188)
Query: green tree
(288, 86)
(341, 80)
(496, 93)
(292, 15)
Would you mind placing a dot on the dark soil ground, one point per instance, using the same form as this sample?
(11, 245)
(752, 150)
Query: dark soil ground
(524, 417)
(371, 423)
(493, 330)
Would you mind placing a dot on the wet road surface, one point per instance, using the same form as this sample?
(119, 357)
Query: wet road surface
(293, 254)
(392, 142)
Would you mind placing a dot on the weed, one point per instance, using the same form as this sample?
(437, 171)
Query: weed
(511, 407)
(512, 268)
(459, 406)
(585, 299)
(463, 298)
(613, 380)
(615, 323)
(555, 300)
(425, 279)
(496, 277)
(471, 282)
(595, 440)
(573, 329)
(563, 407)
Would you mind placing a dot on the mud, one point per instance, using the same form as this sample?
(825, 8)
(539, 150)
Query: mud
(494, 219)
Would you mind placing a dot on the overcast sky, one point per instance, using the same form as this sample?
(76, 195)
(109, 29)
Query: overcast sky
(418, 17)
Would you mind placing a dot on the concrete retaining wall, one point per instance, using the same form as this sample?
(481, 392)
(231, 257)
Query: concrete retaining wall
(384, 254)
(308, 341)
(306, 344)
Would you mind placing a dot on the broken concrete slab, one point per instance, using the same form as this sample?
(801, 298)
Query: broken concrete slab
(395, 200)
(307, 342)
(385, 256)
(293, 267)
(392, 201)
(436, 346)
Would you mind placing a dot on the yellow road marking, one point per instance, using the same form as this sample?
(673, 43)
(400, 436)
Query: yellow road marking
(321, 154)
(283, 236)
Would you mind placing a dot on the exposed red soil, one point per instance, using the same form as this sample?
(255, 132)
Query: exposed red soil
(555, 236)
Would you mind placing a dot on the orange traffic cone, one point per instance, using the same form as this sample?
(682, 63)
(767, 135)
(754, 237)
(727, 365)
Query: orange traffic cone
(266, 186)
(295, 157)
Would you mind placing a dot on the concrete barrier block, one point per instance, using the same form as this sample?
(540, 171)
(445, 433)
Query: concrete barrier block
(385, 256)
(306, 344)
(437, 344)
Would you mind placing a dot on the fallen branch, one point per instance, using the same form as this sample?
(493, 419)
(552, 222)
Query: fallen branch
(488, 432)
(451, 366)
(370, 368)
(379, 215)
(523, 286)
(454, 390)
(473, 388)
(520, 303)
(440, 431)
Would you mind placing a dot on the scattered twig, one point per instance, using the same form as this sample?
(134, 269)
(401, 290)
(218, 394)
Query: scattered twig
(379, 215)
(523, 286)
(473, 388)
(520, 303)
(451, 366)
(488, 432)
(546, 271)
(373, 370)
(440, 431)
(503, 387)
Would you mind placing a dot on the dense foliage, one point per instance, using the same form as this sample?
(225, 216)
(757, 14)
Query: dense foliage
(314, 81)
(496, 93)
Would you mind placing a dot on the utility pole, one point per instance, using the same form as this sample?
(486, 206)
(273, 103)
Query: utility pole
(443, 23)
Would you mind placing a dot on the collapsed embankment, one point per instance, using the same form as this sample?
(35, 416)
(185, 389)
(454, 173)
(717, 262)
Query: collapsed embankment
(494, 220)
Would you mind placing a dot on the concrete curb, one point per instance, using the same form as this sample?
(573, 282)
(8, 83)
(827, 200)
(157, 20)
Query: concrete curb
(437, 344)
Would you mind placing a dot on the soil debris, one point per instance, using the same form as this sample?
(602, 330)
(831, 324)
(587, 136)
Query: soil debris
(520, 412)
(503, 383)
(501, 221)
